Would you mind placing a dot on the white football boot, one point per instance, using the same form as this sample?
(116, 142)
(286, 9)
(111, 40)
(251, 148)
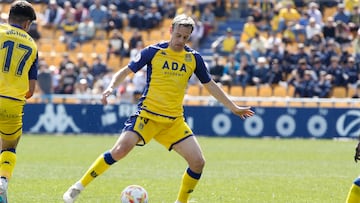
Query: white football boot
(72, 193)
(3, 190)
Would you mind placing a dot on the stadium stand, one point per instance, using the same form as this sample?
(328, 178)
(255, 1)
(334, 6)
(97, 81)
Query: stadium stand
(51, 50)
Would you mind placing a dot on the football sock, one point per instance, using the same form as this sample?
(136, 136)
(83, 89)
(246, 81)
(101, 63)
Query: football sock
(7, 162)
(354, 193)
(99, 166)
(189, 181)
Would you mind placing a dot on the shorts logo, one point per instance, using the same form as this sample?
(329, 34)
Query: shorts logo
(93, 174)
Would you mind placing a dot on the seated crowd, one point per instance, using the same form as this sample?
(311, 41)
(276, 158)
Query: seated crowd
(282, 43)
(292, 48)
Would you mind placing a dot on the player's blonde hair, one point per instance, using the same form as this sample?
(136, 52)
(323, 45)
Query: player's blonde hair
(183, 20)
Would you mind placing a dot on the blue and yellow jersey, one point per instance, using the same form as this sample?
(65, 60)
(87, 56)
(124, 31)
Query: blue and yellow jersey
(18, 62)
(168, 73)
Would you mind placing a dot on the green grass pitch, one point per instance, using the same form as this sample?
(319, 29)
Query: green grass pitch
(237, 170)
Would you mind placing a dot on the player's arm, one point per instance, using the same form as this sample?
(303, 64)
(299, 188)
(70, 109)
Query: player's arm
(32, 85)
(220, 95)
(116, 80)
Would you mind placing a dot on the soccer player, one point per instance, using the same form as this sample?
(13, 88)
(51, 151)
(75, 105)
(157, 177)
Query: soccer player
(354, 193)
(160, 110)
(18, 74)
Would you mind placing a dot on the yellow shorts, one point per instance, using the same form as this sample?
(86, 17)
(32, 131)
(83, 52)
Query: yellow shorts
(11, 112)
(166, 131)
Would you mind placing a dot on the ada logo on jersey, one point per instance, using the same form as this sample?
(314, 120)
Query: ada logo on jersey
(174, 66)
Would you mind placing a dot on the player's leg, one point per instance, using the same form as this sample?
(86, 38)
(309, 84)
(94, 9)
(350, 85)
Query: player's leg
(10, 133)
(354, 193)
(190, 150)
(121, 148)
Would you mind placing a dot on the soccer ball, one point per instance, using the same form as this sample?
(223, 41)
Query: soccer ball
(134, 194)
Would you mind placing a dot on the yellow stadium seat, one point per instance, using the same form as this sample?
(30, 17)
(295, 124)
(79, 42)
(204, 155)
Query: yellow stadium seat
(339, 92)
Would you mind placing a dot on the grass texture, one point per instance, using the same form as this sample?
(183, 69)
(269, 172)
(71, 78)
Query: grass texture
(237, 170)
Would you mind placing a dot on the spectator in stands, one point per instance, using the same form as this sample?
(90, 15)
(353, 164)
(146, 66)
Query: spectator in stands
(275, 75)
(98, 13)
(68, 11)
(153, 17)
(197, 34)
(272, 39)
(216, 68)
(70, 28)
(301, 54)
(136, 18)
(245, 72)
(86, 30)
(44, 81)
(318, 67)
(287, 15)
(81, 12)
(53, 15)
(98, 67)
(312, 29)
(315, 13)
(135, 51)
(354, 19)
(258, 19)
(323, 85)
(257, 46)
(220, 8)
(267, 10)
(208, 19)
(225, 45)
(351, 73)
(68, 79)
(275, 53)
(115, 20)
(116, 46)
(318, 41)
(65, 60)
(328, 29)
(261, 72)
(83, 91)
(240, 52)
(339, 77)
(330, 51)
(85, 75)
(81, 62)
(169, 9)
(306, 86)
(135, 38)
(356, 47)
(343, 35)
(229, 74)
(297, 74)
(341, 14)
(34, 31)
(249, 30)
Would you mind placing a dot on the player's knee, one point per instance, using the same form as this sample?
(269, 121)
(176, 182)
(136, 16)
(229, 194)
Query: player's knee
(198, 164)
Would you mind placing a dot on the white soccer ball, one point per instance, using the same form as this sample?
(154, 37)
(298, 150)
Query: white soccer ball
(134, 194)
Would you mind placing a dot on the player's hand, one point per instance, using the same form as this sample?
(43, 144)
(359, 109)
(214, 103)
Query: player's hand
(105, 95)
(243, 112)
(357, 152)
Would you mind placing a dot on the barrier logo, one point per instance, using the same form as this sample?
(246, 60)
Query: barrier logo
(348, 124)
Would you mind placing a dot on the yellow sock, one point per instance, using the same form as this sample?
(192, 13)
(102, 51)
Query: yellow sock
(189, 181)
(354, 193)
(7, 163)
(100, 165)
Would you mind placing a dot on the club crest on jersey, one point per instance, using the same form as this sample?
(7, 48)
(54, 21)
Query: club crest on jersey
(188, 57)
(174, 66)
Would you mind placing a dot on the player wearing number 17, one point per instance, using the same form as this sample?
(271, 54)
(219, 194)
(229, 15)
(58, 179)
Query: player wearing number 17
(18, 74)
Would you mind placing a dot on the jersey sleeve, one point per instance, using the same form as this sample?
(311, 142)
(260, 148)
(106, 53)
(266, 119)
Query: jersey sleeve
(143, 58)
(33, 72)
(201, 71)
